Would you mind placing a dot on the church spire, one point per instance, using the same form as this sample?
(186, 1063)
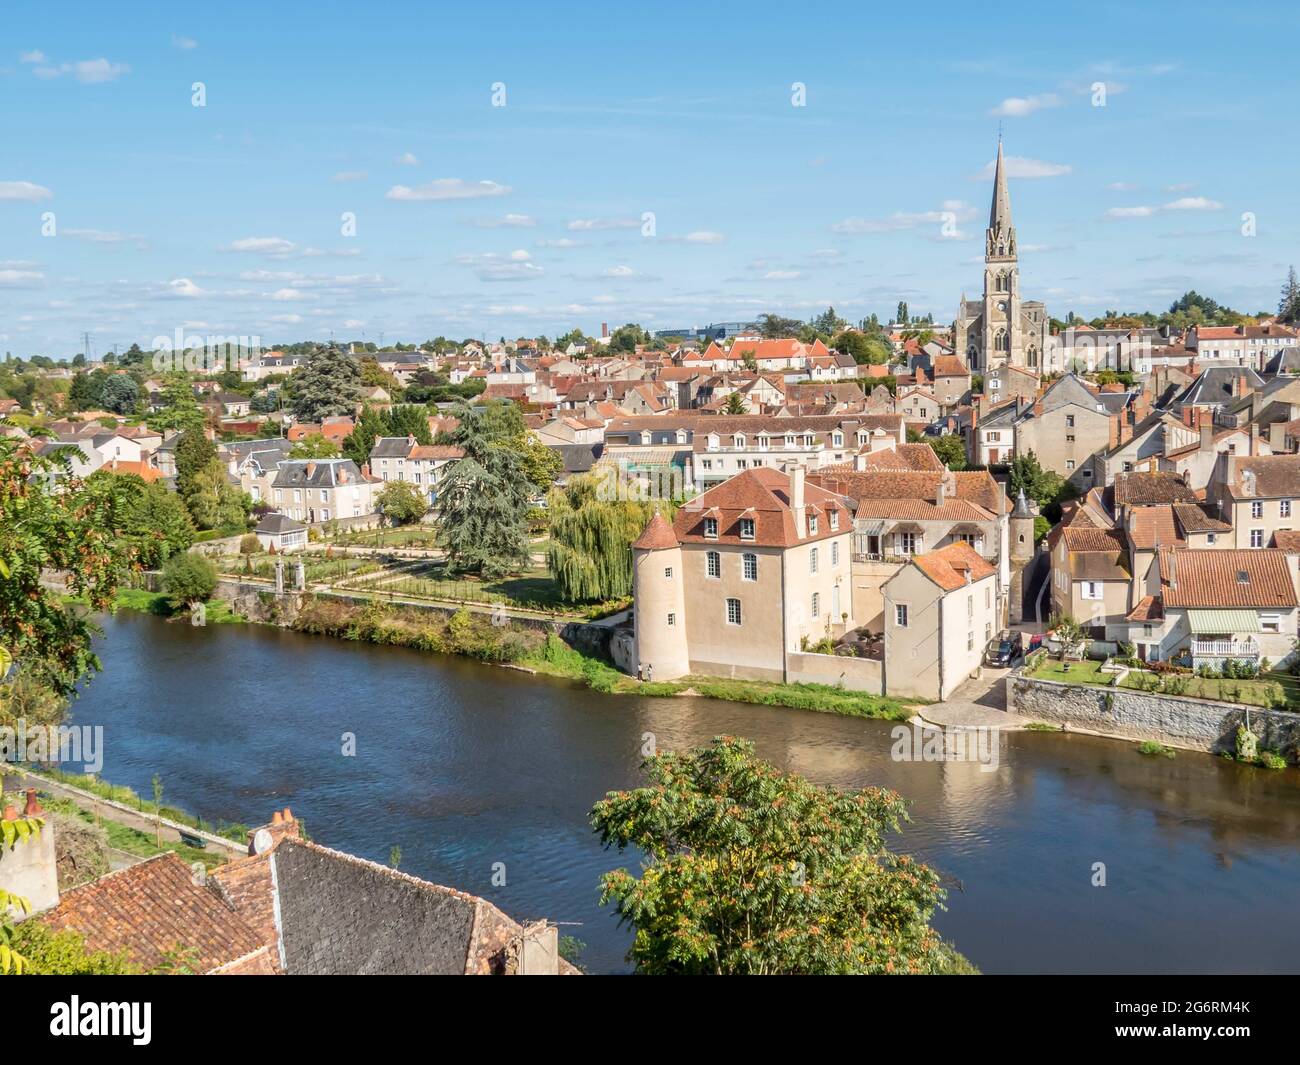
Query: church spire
(1001, 236)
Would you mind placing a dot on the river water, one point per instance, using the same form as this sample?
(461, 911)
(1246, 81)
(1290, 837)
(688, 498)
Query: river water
(473, 770)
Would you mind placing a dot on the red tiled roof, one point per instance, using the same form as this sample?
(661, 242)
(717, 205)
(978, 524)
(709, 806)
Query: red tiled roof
(764, 495)
(949, 567)
(151, 909)
(1212, 578)
(656, 536)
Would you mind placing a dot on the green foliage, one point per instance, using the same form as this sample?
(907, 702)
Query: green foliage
(156, 523)
(194, 453)
(1151, 747)
(314, 446)
(215, 503)
(1247, 744)
(865, 349)
(12, 833)
(735, 404)
(121, 394)
(64, 953)
(180, 408)
(590, 553)
(74, 530)
(328, 383)
(950, 449)
(188, 578)
(756, 871)
(483, 500)
(402, 502)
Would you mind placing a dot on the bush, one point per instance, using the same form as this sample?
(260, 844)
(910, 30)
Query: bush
(1271, 760)
(188, 578)
(250, 544)
(1151, 747)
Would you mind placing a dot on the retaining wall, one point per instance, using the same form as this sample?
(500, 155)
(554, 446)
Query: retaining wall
(1174, 719)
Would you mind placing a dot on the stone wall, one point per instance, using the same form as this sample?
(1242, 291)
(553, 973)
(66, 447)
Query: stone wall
(1174, 719)
(839, 671)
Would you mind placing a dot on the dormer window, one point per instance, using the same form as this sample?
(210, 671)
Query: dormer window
(747, 528)
(835, 520)
(711, 528)
(812, 524)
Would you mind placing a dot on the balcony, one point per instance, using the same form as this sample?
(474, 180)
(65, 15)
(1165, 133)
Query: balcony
(1218, 649)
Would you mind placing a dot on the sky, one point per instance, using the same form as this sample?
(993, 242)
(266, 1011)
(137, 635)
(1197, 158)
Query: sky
(395, 172)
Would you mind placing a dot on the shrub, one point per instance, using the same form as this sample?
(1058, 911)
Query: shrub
(1247, 744)
(1271, 760)
(188, 578)
(1151, 747)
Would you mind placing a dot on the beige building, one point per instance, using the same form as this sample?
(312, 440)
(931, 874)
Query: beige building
(749, 574)
(941, 611)
(1257, 495)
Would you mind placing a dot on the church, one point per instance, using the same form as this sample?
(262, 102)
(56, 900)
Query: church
(1001, 329)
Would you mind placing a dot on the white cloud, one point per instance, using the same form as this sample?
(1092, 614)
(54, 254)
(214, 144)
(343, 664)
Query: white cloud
(287, 319)
(951, 211)
(184, 287)
(1130, 212)
(1019, 106)
(86, 71)
(274, 246)
(407, 159)
(509, 221)
(781, 275)
(579, 224)
(560, 242)
(20, 278)
(704, 236)
(350, 175)
(447, 189)
(99, 236)
(285, 295)
(1121, 186)
(1017, 166)
(34, 56)
(492, 266)
(1194, 203)
(24, 190)
(185, 44)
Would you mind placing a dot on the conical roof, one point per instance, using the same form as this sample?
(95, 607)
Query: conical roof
(657, 535)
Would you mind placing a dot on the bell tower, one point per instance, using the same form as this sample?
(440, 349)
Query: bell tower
(1002, 342)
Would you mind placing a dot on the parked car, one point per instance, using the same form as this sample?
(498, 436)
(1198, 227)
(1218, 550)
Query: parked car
(1004, 650)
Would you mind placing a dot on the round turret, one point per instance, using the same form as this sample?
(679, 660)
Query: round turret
(659, 603)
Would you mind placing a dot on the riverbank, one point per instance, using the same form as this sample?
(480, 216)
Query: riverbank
(472, 635)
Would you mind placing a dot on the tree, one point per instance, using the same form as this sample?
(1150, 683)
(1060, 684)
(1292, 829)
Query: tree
(402, 502)
(86, 391)
(626, 337)
(121, 394)
(188, 578)
(180, 408)
(864, 348)
(950, 449)
(1288, 307)
(369, 427)
(64, 953)
(900, 315)
(482, 505)
(735, 404)
(155, 522)
(314, 446)
(215, 503)
(590, 550)
(774, 327)
(73, 530)
(755, 871)
(328, 383)
(828, 323)
(194, 452)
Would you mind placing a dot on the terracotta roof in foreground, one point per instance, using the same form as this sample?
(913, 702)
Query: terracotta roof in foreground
(1213, 578)
(954, 566)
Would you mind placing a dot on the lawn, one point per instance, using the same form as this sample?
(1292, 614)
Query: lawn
(532, 589)
(1270, 690)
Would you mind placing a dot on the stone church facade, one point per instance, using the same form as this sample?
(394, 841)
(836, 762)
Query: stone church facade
(1002, 328)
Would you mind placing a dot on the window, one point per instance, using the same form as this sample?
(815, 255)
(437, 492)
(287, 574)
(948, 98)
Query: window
(668, 573)
(900, 615)
(812, 524)
(835, 520)
(970, 640)
(711, 528)
(1069, 421)
(835, 554)
(1090, 590)
(714, 561)
(816, 605)
(733, 611)
(1270, 623)
(1069, 464)
(1256, 537)
(749, 567)
(1257, 509)
(988, 631)
(672, 620)
(812, 561)
(747, 528)
(970, 606)
(1284, 508)
(988, 598)
(909, 543)
(1210, 538)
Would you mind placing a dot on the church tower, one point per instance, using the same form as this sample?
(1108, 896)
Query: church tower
(1001, 328)
(1002, 340)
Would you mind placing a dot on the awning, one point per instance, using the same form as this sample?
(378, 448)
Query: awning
(1222, 622)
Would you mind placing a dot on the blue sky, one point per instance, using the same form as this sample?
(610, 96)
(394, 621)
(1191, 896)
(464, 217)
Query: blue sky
(524, 219)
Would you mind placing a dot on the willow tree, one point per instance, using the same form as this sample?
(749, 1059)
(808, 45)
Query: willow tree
(590, 553)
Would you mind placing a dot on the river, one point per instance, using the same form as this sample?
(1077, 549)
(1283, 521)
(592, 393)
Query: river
(470, 769)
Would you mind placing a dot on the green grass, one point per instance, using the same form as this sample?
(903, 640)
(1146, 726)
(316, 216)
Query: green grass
(131, 840)
(217, 612)
(556, 658)
(1152, 748)
(1270, 690)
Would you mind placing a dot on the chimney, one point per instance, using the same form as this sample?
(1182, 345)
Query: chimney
(33, 808)
(1254, 438)
(1173, 572)
(796, 499)
(365, 470)
(1207, 436)
(282, 824)
(311, 468)
(539, 950)
(604, 329)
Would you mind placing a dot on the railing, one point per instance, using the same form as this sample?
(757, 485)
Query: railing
(1225, 649)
